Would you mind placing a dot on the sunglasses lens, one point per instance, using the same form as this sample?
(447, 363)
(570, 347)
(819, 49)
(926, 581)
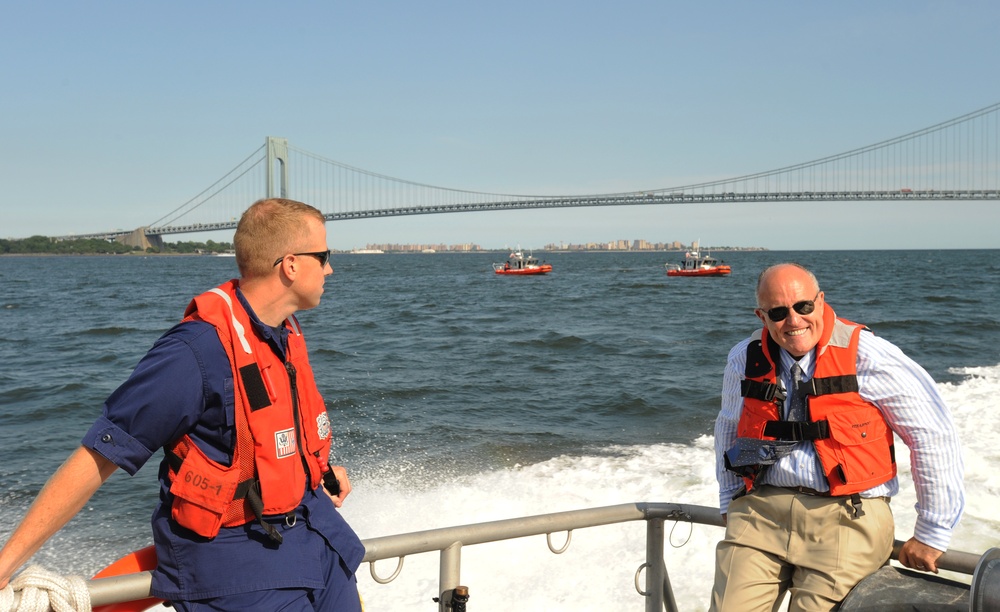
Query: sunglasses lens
(804, 308)
(778, 314)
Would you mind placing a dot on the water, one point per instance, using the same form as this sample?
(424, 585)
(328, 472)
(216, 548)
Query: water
(460, 396)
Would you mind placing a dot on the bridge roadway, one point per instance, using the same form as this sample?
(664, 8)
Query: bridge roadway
(648, 198)
(620, 199)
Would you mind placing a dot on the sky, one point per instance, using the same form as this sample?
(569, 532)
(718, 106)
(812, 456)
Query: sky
(114, 113)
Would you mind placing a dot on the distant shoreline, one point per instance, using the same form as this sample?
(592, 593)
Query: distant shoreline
(130, 254)
(560, 251)
(352, 252)
(500, 252)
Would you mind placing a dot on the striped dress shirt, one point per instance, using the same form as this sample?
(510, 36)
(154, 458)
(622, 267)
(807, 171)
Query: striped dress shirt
(913, 408)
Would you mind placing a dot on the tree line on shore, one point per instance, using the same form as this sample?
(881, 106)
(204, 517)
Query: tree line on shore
(43, 245)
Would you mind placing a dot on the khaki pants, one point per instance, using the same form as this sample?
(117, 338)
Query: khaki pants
(779, 540)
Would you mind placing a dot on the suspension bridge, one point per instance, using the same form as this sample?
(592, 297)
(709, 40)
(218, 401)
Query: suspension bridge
(958, 159)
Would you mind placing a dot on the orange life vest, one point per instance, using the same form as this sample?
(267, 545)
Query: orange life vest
(852, 439)
(282, 429)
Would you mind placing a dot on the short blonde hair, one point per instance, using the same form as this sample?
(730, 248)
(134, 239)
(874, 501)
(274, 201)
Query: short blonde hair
(269, 229)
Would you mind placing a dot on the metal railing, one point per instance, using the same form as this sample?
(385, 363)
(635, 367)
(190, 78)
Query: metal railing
(449, 541)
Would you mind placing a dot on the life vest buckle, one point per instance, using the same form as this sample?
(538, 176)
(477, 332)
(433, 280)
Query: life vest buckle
(766, 392)
(856, 506)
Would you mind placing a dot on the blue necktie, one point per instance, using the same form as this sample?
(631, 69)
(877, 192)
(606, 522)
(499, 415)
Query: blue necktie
(797, 402)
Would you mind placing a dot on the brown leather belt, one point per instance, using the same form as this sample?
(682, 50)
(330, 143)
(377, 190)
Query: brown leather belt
(807, 491)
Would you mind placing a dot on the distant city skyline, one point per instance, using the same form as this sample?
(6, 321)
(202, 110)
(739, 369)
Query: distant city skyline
(610, 245)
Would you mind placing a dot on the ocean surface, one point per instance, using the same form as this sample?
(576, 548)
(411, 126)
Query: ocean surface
(458, 396)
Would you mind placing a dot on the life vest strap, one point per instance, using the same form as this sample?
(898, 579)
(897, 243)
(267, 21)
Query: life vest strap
(833, 384)
(797, 430)
(252, 494)
(765, 392)
(173, 460)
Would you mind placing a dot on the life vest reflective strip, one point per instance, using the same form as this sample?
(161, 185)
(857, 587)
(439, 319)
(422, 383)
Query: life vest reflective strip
(851, 437)
(282, 429)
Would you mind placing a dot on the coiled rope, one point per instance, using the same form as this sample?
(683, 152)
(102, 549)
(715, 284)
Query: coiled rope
(42, 590)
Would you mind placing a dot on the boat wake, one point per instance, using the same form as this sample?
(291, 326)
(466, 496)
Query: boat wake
(598, 569)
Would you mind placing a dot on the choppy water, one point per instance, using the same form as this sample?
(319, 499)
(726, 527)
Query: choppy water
(460, 396)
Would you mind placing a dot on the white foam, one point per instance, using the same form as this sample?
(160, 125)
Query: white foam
(597, 571)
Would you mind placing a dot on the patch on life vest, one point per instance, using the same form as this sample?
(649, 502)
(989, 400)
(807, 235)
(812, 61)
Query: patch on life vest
(323, 426)
(253, 384)
(284, 443)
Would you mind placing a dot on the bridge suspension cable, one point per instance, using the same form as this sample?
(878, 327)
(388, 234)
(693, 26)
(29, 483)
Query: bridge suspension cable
(231, 179)
(334, 182)
(925, 159)
(958, 158)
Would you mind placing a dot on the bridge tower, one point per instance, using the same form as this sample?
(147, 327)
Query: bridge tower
(139, 239)
(277, 151)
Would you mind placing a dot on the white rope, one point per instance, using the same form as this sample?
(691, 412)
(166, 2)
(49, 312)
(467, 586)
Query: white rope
(42, 590)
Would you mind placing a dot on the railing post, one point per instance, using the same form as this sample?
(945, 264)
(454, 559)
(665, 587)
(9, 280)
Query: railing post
(659, 594)
(449, 575)
(654, 565)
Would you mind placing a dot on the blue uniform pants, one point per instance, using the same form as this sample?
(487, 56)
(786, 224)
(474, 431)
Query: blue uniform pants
(340, 595)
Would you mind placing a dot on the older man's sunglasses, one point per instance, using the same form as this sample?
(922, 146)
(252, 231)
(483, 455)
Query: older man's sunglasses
(780, 313)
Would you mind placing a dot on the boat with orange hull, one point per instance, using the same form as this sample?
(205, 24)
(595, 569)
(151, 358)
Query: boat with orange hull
(519, 264)
(696, 264)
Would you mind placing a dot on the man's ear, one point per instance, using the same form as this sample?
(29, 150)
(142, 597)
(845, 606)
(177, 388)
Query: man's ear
(289, 267)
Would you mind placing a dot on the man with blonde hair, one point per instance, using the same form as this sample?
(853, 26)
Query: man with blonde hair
(805, 455)
(247, 518)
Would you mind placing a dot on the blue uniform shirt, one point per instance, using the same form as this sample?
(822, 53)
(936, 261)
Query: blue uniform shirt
(184, 384)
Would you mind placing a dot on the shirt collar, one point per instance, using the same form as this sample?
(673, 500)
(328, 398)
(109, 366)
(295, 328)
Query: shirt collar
(277, 337)
(807, 362)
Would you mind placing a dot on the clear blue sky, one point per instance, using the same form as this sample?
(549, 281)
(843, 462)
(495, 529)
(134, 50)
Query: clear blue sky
(113, 113)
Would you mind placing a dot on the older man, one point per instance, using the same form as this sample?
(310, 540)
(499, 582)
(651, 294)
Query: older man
(247, 518)
(805, 455)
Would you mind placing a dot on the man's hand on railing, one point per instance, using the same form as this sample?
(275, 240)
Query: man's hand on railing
(919, 556)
